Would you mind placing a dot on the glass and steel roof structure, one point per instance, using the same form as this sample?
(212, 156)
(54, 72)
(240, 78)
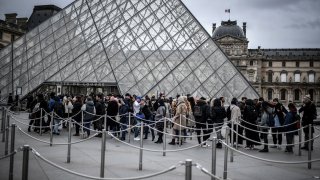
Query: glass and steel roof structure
(142, 46)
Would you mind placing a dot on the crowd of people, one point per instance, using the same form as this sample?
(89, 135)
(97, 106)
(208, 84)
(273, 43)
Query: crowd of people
(252, 119)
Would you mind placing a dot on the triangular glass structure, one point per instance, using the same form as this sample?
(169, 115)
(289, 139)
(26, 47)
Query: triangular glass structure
(142, 46)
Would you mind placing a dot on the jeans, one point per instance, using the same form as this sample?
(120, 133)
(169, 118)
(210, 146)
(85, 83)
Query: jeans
(265, 138)
(137, 128)
(277, 137)
(86, 124)
(56, 125)
(289, 137)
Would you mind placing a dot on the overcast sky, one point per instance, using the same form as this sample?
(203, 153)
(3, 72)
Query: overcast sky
(270, 23)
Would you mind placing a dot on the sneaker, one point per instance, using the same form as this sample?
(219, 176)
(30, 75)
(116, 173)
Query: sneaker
(136, 139)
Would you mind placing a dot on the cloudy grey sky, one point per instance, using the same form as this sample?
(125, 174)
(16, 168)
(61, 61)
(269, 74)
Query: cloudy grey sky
(270, 23)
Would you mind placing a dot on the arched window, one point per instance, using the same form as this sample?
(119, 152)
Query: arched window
(311, 92)
(283, 76)
(270, 73)
(297, 95)
(283, 93)
(270, 92)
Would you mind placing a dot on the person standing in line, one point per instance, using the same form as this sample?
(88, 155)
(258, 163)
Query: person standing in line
(220, 115)
(100, 108)
(309, 114)
(179, 119)
(201, 117)
(290, 126)
(280, 110)
(76, 111)
(267, 110)
(235, 115)
(250, 116)
(89, 114)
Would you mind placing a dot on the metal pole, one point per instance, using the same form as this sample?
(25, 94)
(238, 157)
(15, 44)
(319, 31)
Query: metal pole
(188, 169)
(4, 127)
(309, 146)
(6, 147)
(103, 153)
(25, 162)
(13, 133)
(82, 133)
(51, 129)
(214, 158)
(105, 122)
(164, 136)
(2, 118)
(141, 146)
(129, 125)
(231, 134)
(300, 138)
(69, 142)
(40, 122)
(237, 135)
(179, 139)
(225, 168)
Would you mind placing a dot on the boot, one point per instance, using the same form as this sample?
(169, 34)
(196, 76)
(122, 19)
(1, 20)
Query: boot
(173, 142)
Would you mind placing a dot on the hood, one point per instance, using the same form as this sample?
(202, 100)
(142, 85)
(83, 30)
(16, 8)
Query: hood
(201, 102)
(90, 103)
(217, 103)
(180, 100)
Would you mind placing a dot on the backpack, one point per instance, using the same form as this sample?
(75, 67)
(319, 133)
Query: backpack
(197, 111)
(229, 113)
(270, 121)
(58, 108)
(212, 113)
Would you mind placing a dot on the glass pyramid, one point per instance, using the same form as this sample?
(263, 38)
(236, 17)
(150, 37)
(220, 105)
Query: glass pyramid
(142, 46)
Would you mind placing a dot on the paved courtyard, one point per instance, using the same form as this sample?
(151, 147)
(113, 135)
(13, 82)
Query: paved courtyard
(122, 161)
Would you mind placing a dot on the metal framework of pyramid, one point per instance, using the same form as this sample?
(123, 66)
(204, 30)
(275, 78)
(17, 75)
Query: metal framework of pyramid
(142, 46)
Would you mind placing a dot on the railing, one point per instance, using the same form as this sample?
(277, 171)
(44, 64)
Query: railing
(5, 126)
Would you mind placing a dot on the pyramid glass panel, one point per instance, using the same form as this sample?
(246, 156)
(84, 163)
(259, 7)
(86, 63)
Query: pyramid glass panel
(141, 46)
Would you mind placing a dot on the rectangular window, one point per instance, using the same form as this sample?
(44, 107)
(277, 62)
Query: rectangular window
(283, 77)
(297, 77)
(270, 63)
(283, 64)
(297, 64)
(251, 63)
(311, 62)
(311, 78)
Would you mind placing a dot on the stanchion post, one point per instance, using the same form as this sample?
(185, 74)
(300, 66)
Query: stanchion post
(51, 129)
(300, 138)
(2, 118)
(105, 122)
(25, 162)
(103, 153)
(164, 136)
(214, 157)
(6, 146)
(225, 167)
(4, 127)
(237, 136)
(69, 141)
(141, 147)
(82, 133)
(232, 139)
(13, 133)
(180, 139)
(40, 122)
(188, 169)
(129, 125)
(309, 146)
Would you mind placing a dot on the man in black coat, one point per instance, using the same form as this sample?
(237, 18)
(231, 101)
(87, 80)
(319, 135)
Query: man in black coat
(201, 117)
(100, 112)
(309, 114)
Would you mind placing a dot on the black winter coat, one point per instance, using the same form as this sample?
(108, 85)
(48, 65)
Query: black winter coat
(219, 111)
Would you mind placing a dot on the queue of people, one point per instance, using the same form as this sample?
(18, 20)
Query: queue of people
(252, 118)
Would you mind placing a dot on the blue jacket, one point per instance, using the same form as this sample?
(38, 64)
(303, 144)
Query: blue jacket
(289, 119)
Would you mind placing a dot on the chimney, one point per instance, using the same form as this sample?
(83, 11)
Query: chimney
(213, 27)
(22, 22)
(11, 18)
(245, 29)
